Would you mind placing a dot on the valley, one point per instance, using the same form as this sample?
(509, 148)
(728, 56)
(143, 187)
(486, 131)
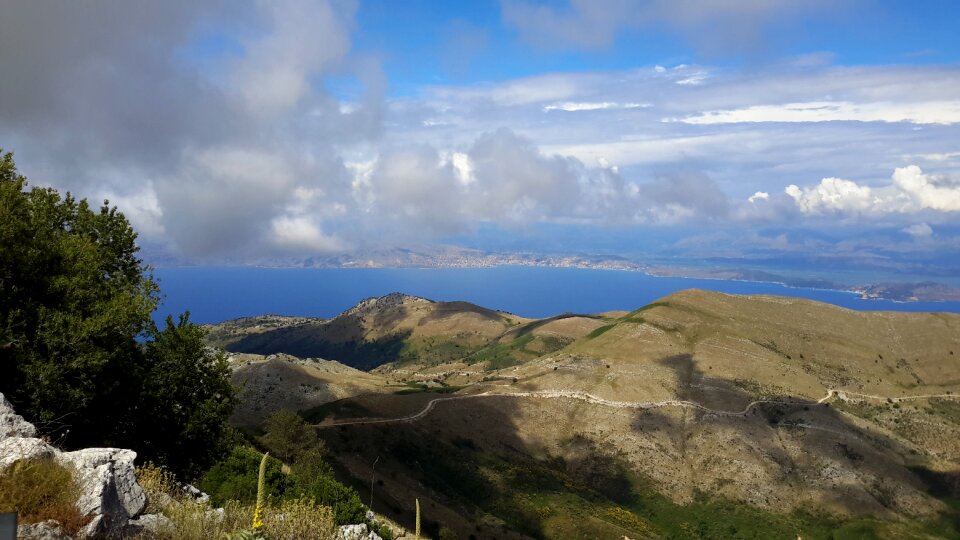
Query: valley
(700, 415)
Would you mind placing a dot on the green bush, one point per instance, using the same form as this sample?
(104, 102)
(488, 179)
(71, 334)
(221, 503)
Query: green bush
(327, 491)
(235, 478)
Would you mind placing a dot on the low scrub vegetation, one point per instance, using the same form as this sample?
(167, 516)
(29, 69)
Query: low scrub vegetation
(40, 490)
(301, 479)
(292, 519)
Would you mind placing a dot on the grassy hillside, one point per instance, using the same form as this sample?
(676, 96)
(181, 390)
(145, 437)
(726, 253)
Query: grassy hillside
(701, 415)
(394, 328)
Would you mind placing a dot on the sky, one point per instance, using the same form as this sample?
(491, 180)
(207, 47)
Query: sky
(820, 134)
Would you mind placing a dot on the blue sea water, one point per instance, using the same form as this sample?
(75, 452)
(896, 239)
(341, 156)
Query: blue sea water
(214, 294)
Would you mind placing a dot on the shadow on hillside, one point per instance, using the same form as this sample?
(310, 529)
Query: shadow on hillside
(358, 353)
(801, 437)
(485, 456)
(459, 461)
(442, 310)
(525, 329)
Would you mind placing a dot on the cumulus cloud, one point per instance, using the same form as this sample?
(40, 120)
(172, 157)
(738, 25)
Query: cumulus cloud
(927, 191)
(910, 191)
(204, 144)
(302, 38)
(300, 234)
(217, 135)
(501, 177)
(919, 230)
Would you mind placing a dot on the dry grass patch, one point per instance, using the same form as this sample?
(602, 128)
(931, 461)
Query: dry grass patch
(39, 490)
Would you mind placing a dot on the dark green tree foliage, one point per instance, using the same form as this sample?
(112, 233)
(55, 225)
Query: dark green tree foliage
(74, 299)
(289, 437)
(186, 398)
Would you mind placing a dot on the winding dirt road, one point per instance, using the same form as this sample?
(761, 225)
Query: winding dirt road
(842, 395)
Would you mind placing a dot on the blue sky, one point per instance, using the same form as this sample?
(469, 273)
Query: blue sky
(814, 135)
(415, 41)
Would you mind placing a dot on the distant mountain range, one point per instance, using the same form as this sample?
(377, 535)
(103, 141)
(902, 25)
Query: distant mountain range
(702, 415)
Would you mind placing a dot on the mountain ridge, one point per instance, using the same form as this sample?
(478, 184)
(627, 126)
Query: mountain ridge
(771, 404)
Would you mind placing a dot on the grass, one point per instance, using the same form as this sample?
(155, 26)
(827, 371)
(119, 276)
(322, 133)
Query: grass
(600, 331)
(41, 490)
(502, 355)
(947, 409)
(292, 519)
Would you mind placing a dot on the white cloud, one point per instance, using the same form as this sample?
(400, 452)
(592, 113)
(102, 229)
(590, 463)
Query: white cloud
(300, 234)
(759, 196)
(933, 192)
(142, 208)
(463, 166)
(928, 112)
(910, 191)
(305, 38)
(919, 230)
(574, 106)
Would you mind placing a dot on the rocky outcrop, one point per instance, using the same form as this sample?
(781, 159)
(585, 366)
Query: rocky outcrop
(355, 532)
(14, 449)
(45, 530)
(108, 487)
(12, 424)
(109, 492)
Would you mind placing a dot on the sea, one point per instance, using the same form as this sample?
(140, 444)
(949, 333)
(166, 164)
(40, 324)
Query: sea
(215, 294)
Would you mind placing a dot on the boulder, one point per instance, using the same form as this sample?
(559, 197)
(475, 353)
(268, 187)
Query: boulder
(108, 487)
(109, 492)
(13, 449)
(148, 525)
(12, 424)
(195, 494)
(45, 530)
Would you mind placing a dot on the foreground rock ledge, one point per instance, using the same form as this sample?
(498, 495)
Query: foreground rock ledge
(109, 492)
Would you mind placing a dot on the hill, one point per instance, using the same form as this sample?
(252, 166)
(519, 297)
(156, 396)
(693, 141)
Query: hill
(392, 328)
(700, 415)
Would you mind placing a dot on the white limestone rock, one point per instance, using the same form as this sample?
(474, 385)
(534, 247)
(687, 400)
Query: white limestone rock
(108, 486)
(13, 449)
(148, 524)
(355, 532)
(12, 424)
(45, 530)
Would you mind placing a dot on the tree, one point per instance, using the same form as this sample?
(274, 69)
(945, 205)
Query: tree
(79, 352)
(290, 438)
(186, 396)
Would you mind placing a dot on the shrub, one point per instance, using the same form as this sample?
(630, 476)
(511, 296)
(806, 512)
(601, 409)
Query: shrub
(327, 491)
(235, 478)
(40, 490)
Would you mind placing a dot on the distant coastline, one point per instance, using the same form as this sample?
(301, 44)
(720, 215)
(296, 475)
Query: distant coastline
(462, 258)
